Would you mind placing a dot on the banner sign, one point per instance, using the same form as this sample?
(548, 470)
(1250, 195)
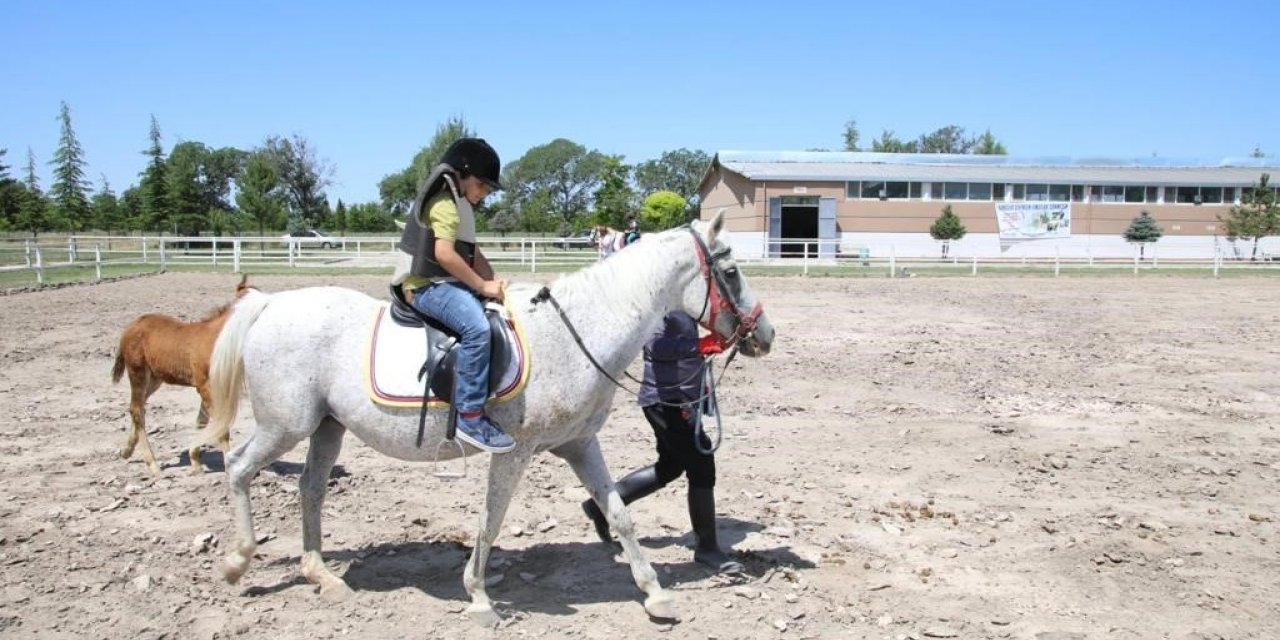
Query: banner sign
(1033, 220)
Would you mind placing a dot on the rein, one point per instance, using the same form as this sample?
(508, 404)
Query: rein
(715, 302)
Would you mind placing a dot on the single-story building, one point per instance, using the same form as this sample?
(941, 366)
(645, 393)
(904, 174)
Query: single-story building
(820, 204)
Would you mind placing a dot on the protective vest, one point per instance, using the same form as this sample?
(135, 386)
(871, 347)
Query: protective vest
(419, 241)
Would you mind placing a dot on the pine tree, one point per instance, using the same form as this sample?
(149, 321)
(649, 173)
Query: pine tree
(70, 189)
(106, 209)
(33, 209)
(947, 228)
(154, 184)
(1142, 230)
(340, 218)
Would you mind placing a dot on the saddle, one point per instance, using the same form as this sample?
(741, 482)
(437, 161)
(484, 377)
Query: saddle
(436, 372)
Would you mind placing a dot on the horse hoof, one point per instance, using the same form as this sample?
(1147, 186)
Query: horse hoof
(197, 470)
(125, 453)
(662, 609)
(336, 592)
(233, 567)
(484, 616)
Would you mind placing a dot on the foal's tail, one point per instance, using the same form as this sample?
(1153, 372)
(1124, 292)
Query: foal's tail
(226, 366)
(118, 371)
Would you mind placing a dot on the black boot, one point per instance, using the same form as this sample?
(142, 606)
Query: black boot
(635, 485)
(706, 545)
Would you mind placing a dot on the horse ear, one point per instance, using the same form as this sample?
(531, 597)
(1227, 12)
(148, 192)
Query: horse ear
(717, 224)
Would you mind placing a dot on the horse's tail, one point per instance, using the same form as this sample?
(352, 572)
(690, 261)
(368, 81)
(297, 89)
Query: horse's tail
(226, 366)
(118, 371)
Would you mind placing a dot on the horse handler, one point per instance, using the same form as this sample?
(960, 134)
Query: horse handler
(670, 398)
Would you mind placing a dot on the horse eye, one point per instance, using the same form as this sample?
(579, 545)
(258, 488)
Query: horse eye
(731, 272)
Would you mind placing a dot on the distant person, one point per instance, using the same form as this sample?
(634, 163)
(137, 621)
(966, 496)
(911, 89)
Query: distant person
(450, 275)
(670, 398)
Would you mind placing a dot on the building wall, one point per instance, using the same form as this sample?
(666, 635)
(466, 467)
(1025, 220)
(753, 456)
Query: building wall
(746, 204)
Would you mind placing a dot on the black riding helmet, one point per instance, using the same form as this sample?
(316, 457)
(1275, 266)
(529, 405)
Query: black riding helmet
(474, 157)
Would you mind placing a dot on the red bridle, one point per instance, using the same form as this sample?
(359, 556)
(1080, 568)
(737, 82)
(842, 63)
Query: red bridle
(718, 301)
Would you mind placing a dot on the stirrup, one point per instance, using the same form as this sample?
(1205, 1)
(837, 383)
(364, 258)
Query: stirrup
(449, 475)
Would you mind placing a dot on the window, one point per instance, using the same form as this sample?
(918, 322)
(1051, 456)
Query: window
(1059, 192)
(956, 190)
(870, 190)
(1183, 195)
(1211, 195)
(1135, 194)
(1037, 192)
(997, 191)
(1106, 193)
(1019, 192)
(896, 190)
(979, 190)
(1077, 193)
(801, 201)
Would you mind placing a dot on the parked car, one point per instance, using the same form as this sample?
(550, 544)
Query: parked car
(582, 240)
(309, 238)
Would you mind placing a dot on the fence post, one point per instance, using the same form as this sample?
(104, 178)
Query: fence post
(71, 248)
(1217, 260)
(27, 246)
(160, 242)
(144, 249)
(235, 256)
(975, 264)
(805, 264)
(1155, 258)
(533, 256)
(292, 244)
(215, 252)
(893, 261)
(97, 260)
(39, 267)
(1135, 265)
(1057, 255)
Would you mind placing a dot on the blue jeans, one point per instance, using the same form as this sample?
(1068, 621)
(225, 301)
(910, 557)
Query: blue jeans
(456, 307)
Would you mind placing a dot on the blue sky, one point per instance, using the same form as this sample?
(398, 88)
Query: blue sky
(368, 82)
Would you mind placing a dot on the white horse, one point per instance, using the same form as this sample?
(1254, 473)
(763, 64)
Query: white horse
(300, 354)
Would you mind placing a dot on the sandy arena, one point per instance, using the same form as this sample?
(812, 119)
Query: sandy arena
(999, 457)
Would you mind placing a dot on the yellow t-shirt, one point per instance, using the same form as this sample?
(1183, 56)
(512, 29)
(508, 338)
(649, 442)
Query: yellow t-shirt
(442, 216)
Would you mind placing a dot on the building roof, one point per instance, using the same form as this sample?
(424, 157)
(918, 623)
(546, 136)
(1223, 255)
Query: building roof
(841, 166)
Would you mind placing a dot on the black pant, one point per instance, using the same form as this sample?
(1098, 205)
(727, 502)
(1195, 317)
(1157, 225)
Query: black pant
(677, 454)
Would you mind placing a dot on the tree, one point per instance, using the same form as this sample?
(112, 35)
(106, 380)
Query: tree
(1143, 229)
(69, 188)
(200, 187)
(889, 143)
(680, 171)
(259, 192)
(154, 184)
(948, 139)
(131, 208)
(987, 145)
(399, 189)
(11, 193)
(851, 136)
(555, 181)
(1256, 217)
(303, 175)
(662, 210)
(33, 209)
(340, 218)
(947, 228)
(106, 209)
(614, 200)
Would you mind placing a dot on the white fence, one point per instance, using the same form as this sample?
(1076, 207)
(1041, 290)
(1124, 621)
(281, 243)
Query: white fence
(34, 258)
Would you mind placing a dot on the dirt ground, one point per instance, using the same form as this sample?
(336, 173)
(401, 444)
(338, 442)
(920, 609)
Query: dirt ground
(976, 458)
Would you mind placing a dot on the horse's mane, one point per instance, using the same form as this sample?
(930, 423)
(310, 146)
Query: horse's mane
(225, 308)
(606, 283)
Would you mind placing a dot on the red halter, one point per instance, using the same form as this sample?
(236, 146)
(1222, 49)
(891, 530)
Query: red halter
(718, 301)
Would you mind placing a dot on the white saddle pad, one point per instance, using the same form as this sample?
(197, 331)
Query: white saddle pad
(396, 353)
